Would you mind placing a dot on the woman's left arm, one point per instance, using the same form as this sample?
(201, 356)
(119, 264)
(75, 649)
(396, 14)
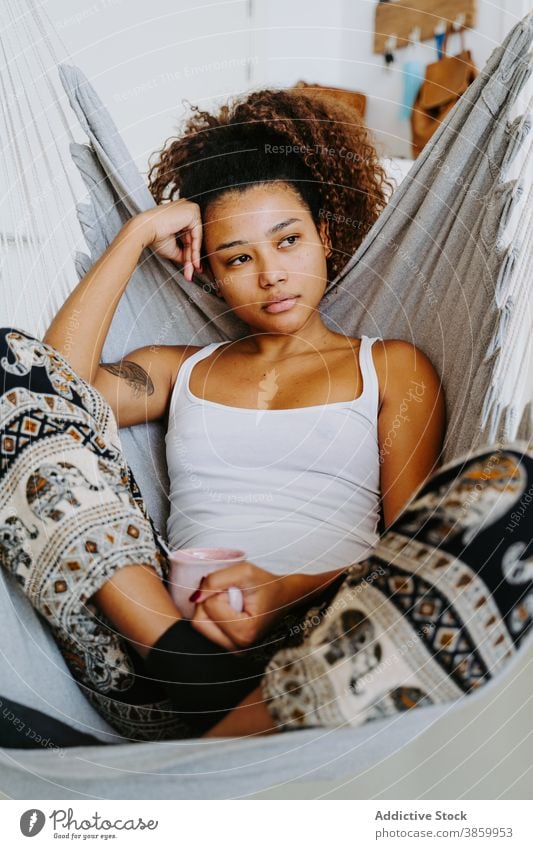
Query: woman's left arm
(411, 423)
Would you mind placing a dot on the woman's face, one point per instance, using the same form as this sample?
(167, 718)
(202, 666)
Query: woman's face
(263, 244)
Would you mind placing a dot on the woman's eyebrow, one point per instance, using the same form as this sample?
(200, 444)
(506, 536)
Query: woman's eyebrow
(274, 229)
(281, 225)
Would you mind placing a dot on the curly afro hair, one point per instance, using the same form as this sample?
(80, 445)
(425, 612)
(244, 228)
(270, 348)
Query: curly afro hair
(319, 146)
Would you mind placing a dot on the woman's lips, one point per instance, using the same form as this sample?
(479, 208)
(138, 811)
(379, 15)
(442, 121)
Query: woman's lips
(281, 306)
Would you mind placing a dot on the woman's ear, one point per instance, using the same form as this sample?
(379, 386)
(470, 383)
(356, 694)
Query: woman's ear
(325, 237)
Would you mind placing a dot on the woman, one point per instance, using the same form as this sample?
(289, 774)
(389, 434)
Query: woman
(260, 194)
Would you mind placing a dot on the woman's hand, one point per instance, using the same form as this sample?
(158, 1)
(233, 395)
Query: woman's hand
(265, 601)
(168, 222)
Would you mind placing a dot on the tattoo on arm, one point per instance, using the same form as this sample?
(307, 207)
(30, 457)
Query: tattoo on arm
(134, 374)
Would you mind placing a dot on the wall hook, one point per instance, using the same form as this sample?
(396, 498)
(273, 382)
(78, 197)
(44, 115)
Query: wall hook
(459, 21)
(390, 47)
(459, 27)
(440, 36)
(415, 35)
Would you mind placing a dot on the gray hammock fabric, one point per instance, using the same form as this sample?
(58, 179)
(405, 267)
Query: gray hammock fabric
(476, 748)
(447, 267)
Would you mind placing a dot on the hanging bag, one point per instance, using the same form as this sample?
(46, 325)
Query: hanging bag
(445, 81)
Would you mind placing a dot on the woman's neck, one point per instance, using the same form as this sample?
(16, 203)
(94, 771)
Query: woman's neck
(274, 347)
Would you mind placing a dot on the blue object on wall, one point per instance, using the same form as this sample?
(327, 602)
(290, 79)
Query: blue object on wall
(413, 76)
(439, 42)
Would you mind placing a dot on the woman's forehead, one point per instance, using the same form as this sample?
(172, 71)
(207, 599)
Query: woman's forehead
(256, 210)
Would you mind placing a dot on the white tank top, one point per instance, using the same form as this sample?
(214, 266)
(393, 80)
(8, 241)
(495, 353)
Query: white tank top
(297, 490)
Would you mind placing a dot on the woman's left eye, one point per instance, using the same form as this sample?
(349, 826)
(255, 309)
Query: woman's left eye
(286, 239)
(237, 260)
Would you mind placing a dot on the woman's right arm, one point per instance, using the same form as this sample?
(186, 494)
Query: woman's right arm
(137, 388)
(94, 300)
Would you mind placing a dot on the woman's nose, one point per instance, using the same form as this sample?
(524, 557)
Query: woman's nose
(271, 273)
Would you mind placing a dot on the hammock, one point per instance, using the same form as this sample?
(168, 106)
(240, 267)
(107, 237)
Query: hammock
(446, 266)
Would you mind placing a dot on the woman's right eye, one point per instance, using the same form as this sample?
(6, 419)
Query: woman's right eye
(234, 260)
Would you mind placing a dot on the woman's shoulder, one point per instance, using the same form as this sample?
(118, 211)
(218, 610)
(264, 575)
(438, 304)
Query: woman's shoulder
(401, 355)
(396, 351)
(177, 355)
(402, 368)
(396, 354)
(398, 363)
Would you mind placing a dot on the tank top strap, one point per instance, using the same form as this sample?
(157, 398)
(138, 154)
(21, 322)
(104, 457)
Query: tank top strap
(182, 379)
(369, 375)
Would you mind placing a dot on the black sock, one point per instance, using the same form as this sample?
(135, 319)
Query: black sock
(202, 680)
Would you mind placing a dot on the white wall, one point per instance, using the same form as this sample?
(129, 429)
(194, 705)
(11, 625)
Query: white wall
(300, 39)
(143, 58)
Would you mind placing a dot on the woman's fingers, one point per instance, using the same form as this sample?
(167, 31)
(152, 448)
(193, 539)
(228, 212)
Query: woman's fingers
(187, 253)
(241, 628)
(220, 611)
(192, 240)
(176, 233)
(244, 575)
(196, 243)
(203, 623)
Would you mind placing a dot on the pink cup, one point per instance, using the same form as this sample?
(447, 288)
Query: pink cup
(189, 565)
